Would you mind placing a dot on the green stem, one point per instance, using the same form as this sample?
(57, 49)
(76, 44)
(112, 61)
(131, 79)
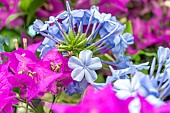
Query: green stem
(58, 95)
(21, 100)
(26, 106)
(55, 98)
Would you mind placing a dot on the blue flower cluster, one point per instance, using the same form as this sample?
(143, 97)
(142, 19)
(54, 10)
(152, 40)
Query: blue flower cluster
(93, 24)
(129, 81)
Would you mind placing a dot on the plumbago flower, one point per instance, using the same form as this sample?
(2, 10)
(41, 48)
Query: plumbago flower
(84, 66)
(146, 85)
(76, 87)
(79, 30)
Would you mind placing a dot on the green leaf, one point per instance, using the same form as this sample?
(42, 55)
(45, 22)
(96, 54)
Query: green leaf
(16, 90)
(13, 17)
(38, 105)
(90, 47)
(150, 54)
(128, 27)
(10, 34)
(24, 4)
(82, 37)
(40, 108)
(83, 42)
(100, 79)
(71, 35)
(35, 4)
(76, 38)
(63, 47)
(106, 57)
(109, 57)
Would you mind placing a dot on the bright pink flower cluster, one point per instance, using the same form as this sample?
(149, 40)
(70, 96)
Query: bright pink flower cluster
(32, 76)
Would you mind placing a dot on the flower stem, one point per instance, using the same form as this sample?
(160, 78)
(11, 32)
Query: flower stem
(55, 98)
(26, 106)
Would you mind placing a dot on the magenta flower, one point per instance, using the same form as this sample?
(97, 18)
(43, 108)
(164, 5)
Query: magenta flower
(33, 76)
(19, 58)
(50, 9)
(146, 107)
(9, 7)
(6, 96)
(59, 65)
(113, 6)
(29, 89)
(95, 102)
(150, 24)
(42, 75)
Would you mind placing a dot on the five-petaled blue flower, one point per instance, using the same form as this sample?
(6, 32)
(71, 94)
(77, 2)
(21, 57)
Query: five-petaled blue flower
(84, 66)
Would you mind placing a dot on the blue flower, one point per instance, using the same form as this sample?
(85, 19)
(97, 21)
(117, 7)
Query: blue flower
(39, 26)
(123, 73)
(139, 84)
(31, 31)
(76, 87)
(163, 54)
(84, 66)
(121, 42)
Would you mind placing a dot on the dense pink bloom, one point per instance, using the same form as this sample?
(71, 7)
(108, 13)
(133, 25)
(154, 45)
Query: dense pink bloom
(146, 107)
(6, 96)
(95, 102)
(52, 8)
(113, 6)
(83, 4)
(105, 6)
(9, 7)
(19, 58)
(57, 59)
(149, 30)
(33, 76)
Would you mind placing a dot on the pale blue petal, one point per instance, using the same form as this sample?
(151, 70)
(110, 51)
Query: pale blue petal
(45, 49)
(122, 84)
(77, 13)
(155, 101)
(44, 27)
(98, 86)
(77, 74)
(31, 31)
(167, 65)
(85, 56)
(123, 94)
(135, 83)
(163, 54)
(129, 38)
(134, 106)
(74, 62)
(142, 66)
(95, 64)
(148, 86)
(90, 75)
(152, 68)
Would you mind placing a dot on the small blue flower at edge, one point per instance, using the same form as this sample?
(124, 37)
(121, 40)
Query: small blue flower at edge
(84, 66)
